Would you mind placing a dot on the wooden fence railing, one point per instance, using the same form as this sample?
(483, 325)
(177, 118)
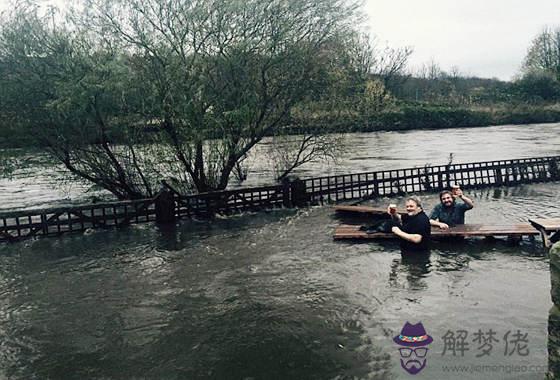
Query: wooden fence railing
(169, 205)
(432, 178)
(232, 201)
(45, 222)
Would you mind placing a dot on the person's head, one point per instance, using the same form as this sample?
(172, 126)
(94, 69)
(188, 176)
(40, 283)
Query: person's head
(446, 198)
(413, 205)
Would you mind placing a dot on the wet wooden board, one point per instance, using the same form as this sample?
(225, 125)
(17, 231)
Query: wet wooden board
(547, 224)
(546, 228)
(364, 210)
(466, 230)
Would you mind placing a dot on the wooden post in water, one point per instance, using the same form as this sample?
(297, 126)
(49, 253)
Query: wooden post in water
(553, 169)
(299, 194)
(165, 207)
(447, 177)
(554, 315)
(439, 181)
(286, 198)
(498, 175)
(375, 185)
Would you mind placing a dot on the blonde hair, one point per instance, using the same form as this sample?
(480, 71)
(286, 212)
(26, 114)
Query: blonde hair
(415, 199)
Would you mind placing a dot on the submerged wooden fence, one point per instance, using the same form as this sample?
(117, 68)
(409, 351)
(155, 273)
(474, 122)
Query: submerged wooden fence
(232, 201)
(432, 178)
(169, 204)
(48, 222)
(165, 207)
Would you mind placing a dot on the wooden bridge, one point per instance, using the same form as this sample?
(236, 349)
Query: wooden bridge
(170, 205)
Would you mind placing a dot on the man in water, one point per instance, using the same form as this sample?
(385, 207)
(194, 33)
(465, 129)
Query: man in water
(449, 212)
(413, 228)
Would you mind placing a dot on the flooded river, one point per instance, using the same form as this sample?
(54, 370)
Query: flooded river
(272, 296)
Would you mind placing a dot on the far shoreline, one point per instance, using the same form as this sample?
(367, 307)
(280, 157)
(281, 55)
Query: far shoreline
(403, 120)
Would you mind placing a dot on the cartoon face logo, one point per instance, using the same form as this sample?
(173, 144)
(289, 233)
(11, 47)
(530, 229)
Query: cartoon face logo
(413, 340)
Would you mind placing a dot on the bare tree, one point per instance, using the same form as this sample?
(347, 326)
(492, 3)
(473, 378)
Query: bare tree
(544, 53)
(384, 62)
(431, 71)
(391, 65)
(288, 152)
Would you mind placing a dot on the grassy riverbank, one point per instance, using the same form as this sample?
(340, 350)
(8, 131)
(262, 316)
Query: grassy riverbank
(405, 117)
(11, 137)
(418, 116)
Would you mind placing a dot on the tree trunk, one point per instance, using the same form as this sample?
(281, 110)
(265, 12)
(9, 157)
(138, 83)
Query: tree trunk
(200, 179)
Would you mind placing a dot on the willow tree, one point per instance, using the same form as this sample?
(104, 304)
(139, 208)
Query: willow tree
(220, 75)
(125, 93)
(74, 96)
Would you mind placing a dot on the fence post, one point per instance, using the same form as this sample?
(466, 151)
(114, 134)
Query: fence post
(44, 225)
(209, 209)
(375, 184)
(553, 169)
(165, 207)
(286, 200)
(440, 181)
(299, 196)
(498, 174)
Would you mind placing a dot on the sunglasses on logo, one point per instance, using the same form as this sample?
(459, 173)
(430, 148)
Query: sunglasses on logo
(419, 351)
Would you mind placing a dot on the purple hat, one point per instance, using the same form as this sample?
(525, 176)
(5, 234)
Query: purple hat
(413, 335)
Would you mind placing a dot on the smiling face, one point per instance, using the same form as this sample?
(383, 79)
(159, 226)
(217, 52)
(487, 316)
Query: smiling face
(446, 199)
(412, 208)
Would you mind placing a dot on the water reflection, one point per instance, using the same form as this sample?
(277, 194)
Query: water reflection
(168, 238)
(262, 340)
(414, 267)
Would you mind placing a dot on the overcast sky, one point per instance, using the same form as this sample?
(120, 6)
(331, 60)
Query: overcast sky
(486, 38)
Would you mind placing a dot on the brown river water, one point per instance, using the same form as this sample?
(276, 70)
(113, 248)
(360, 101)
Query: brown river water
(270, 295)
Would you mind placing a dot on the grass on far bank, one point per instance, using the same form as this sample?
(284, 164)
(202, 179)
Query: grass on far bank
(408, 116)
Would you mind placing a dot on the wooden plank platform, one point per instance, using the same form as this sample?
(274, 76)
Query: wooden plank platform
(466, 230)
(377, 211)
(547, 224)
(547, 228)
